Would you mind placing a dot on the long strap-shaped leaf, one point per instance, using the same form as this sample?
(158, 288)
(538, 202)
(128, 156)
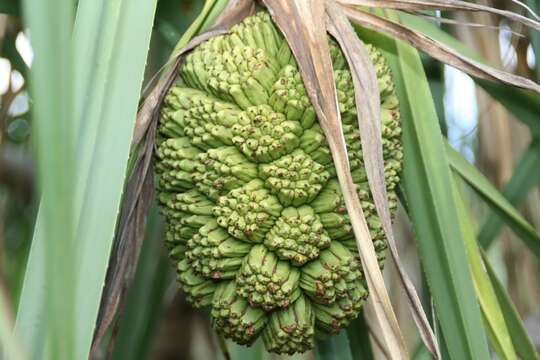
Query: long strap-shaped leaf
(46, 313)
(304, 28)
(437, 49)
(368, 105)
(498, 331)
(444, 5)
(432, 210)
(523, 104)
(107, 101)
(525, 177)
(10, 344)
(495, 200)
(336, 347)
(139, 188)
(522, 342)
(359, 338)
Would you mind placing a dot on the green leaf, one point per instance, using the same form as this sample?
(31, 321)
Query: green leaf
(498, 331)
(436, 87)
(209, 12)
(106, 169)
(11, 7)
(522, 342)
(525, 177)
(10, 347)
(51, 88)
(495, 200)
(426, 180)
(358, 335)
(110, 44)
(144, 301)
(524, 105)
(433, 213)
(336, 347)
(240, 352)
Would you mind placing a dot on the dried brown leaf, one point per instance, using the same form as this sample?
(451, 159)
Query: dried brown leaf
(368, 105)
(303, 25)
(374, 329)
(475, 25)
(233, 13)
(443, 5)
(437, 50)
(127, 244)
(140, 187)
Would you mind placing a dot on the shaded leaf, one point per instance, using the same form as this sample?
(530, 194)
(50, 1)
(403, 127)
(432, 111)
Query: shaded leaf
(496, 326)
(333, 348)
(495, 200)
(358, 336)
(105, 96)
(11, 7)
(426, 180)
(369, 123)
(525, 177)
(522, 342)
(50, 282)
(145, 299)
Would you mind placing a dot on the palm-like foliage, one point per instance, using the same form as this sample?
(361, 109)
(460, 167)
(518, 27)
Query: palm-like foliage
(91, 222)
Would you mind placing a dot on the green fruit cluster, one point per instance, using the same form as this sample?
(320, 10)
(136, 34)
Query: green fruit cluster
(256, 221)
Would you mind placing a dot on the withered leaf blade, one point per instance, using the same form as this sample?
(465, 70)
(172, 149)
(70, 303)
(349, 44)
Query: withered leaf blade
(444, 5)
(303, 25)
(369, 122)
(140, 186)
(476, 25)
(437, 50)
(233, 13)
(128, 239)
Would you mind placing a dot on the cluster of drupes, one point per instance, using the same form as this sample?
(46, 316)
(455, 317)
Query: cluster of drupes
(256, 222)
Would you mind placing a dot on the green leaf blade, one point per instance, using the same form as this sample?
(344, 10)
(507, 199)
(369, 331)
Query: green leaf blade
(333, 348)
(522, 342)
(51, 85)
(491, 311)
(426, 181)
(524, 178)
(112, 39)
(495, 200)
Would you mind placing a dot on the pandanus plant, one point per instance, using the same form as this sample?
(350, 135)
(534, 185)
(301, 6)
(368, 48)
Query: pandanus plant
(273, 134)
(283, 133)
